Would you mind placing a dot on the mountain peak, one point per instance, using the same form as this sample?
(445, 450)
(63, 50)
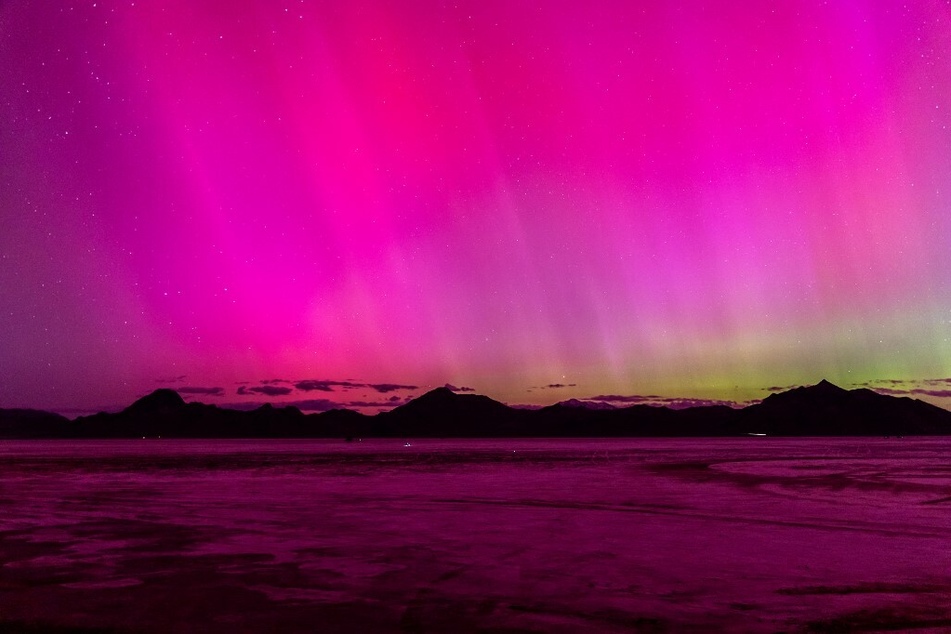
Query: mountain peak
(161, 399)
(443, 401)
(825, 389)
(437, 395)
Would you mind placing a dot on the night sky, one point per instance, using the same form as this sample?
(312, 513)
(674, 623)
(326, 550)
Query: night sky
(354, 202)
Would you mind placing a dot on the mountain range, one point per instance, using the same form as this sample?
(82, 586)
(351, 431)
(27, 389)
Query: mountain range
(818, 410)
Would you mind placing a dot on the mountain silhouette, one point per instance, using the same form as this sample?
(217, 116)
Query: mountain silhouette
(818, 410)
(163, 400)
(31, 423)
(828, 410)
(444, 413)
(164, 413)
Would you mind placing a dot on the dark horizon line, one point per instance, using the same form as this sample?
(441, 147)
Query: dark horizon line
(822, 409)
(653, 401)
(615, 401)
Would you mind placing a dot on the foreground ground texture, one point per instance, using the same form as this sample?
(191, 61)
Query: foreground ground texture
(742, 535)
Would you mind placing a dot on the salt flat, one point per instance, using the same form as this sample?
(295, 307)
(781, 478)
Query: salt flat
(745, 535)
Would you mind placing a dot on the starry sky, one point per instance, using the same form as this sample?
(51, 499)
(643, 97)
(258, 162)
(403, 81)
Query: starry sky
(349, 203)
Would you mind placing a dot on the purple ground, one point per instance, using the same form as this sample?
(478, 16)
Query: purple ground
(742, 535)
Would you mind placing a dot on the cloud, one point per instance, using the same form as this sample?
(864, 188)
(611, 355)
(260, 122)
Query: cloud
(684, 403)
(209, 391)
(918, 391)
(269, 390)
(306, 405)
(665, 401)
(939, 393)
(384, 388)
(312, 385)
(453, 388)
(781, 388)
(617, 398)
(890, 391)
(274, 381)
(890, 382)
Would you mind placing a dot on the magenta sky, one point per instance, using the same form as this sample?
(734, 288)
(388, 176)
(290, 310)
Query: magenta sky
(699, 199)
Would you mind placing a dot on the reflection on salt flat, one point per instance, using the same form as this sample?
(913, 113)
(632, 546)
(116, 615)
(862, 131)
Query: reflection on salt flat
(552, 535)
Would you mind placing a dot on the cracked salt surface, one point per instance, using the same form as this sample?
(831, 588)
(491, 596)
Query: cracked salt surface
(743, 535)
